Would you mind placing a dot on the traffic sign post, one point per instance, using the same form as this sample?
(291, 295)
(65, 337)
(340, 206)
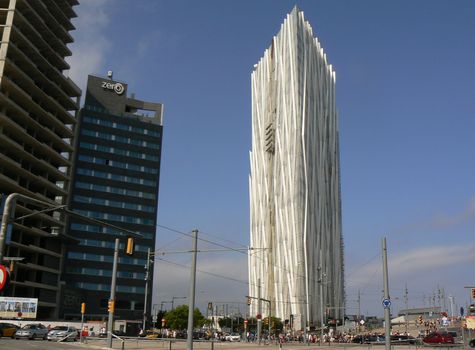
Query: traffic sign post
(386, 303)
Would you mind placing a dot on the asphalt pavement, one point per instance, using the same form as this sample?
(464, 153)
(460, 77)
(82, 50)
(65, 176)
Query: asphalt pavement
(144, 344)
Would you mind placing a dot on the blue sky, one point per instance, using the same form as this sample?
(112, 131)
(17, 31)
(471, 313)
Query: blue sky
(406, 99)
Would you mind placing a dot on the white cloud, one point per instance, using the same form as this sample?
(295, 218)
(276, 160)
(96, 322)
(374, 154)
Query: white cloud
(443, 220)
(416, 262)
(91, 45)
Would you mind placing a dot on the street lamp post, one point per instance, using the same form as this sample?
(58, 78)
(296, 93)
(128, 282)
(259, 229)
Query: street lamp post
(173, 301)
(164, 302)
(154, 316)
(110, 321)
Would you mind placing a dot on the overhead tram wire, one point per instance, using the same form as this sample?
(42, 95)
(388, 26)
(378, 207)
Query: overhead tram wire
(168, 244)
(202, 239)
(366, 263)
(204, 272)
(248, 251)
(225, 240)
(232, 249)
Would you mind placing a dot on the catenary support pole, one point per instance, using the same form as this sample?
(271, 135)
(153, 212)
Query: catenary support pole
(82, 327)
(320, 291)
(270, 318)
(110, 322)
(259, 311)
(147, 277)
(387, 310)
(191, 302)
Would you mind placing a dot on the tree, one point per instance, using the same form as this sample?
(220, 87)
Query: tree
(225, 322)
(178, 318)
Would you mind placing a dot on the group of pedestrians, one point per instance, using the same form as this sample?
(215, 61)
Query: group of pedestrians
(300, 337)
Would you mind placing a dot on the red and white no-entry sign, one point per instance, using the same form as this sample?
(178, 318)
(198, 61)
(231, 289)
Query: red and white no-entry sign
(4, 274)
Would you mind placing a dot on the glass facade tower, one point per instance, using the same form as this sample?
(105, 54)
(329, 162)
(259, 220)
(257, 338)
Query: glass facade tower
(115, 179)
(297, 257)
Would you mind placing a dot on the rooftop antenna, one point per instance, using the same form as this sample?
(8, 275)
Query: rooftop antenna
(109, 74)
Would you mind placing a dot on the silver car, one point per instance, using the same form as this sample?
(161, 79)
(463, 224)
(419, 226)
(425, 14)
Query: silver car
(63, 332)
(32, 331)
(233, 337)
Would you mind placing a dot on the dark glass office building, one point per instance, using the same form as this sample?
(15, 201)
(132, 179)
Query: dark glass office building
(115, 179)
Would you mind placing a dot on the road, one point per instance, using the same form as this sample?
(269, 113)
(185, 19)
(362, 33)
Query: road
(141, 344)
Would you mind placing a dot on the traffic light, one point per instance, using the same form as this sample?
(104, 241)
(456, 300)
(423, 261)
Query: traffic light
(111, 306)
(129, 250)
(473, 292)
(83, 308)
(249, 300)
(420, 319)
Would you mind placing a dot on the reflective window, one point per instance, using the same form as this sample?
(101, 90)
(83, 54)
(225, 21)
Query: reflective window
(111, 245)
(115, 204)
(116, 217)
(116, 164)
(105, 258)
(115, 177)
(119, 138)
(120, 126)
(106, 230)
(106, 287)
(115, 150)
(105, 272)
(116, 190)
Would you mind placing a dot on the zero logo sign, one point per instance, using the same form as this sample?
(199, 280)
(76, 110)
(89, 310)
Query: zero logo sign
(117, 87)
(4, 274)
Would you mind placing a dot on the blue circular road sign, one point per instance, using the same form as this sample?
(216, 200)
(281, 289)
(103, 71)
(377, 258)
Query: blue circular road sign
(386, 303)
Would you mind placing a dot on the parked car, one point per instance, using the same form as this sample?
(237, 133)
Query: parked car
(439, 338)
(32, 331)
(403, 340)
(233, 337)
(7, 329)
(61, 332)
(368, 338)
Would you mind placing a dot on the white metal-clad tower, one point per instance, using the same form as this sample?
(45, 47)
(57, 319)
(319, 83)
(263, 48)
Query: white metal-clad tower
(294, 182)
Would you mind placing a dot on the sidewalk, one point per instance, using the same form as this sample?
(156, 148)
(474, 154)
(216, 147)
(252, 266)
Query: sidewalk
(180, 344)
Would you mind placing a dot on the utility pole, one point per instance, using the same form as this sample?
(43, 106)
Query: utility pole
(191, 301)
(270, 318)
(259, 311)
(387, 310)
(451, 300)
(406, 301)
(147, 278)
(320, 291)
(444, 301)
(110, 322)
(359, 305)
(438, 296)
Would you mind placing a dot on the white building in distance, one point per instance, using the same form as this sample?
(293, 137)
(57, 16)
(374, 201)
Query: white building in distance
(296, 261)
